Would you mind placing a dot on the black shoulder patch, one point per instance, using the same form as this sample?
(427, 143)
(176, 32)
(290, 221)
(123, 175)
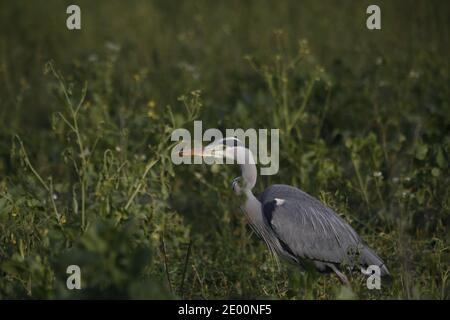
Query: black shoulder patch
(231, 142)
(268, 209)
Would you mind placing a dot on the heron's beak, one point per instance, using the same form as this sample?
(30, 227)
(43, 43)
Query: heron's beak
(192, 152)
(203, 152)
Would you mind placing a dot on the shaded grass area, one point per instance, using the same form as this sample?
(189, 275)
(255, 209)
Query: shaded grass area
(86, 117)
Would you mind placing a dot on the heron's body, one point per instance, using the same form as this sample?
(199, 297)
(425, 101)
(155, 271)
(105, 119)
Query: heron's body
(295, 225)
(299, 227)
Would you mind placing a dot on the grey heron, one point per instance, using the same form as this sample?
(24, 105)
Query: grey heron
(294, 224)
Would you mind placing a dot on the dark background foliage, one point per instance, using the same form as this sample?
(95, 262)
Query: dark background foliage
(86, 118)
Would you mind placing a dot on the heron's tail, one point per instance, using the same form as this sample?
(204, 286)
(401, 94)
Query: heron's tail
(369, 257)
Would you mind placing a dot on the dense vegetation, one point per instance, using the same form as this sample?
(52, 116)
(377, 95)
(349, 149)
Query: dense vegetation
(85, 123)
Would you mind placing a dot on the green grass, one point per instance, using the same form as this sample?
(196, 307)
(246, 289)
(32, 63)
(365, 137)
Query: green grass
(85, 123)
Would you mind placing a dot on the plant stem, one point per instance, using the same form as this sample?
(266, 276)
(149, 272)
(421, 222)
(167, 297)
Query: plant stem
(149, 166)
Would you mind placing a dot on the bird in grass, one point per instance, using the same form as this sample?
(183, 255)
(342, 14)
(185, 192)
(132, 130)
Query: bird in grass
(294, 225)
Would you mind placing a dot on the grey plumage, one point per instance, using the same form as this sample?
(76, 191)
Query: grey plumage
(306, 228)
(294, 224)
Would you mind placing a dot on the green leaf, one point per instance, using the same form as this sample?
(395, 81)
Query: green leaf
(436, 172)
(421, 151)
(440, 159)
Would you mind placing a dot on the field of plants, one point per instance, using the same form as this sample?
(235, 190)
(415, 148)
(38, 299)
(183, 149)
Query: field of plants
(86, 116)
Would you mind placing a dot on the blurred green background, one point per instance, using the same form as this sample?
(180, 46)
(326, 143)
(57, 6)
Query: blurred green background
(86, 118)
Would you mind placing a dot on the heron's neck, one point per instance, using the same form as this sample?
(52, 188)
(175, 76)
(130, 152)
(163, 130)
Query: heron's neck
(253, 209)
(248, 171)
(252, 204)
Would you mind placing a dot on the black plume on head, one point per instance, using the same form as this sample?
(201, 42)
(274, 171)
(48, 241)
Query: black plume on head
(232, 142)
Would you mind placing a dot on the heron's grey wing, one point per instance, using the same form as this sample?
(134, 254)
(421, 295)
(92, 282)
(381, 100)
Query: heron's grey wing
(306, 226)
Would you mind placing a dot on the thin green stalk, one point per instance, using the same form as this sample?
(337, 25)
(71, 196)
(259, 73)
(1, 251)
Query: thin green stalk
(48, 188)
(300, 111)
(362, 186)
(74, 127)
(186, 260)
(29, 165)
(53, 200)
(166, 264)
(82, 172)
(147, 169)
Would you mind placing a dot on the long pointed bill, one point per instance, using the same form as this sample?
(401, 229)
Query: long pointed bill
(192, 152)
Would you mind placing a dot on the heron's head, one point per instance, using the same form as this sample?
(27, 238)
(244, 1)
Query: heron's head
(233, 151)
(228, 148)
